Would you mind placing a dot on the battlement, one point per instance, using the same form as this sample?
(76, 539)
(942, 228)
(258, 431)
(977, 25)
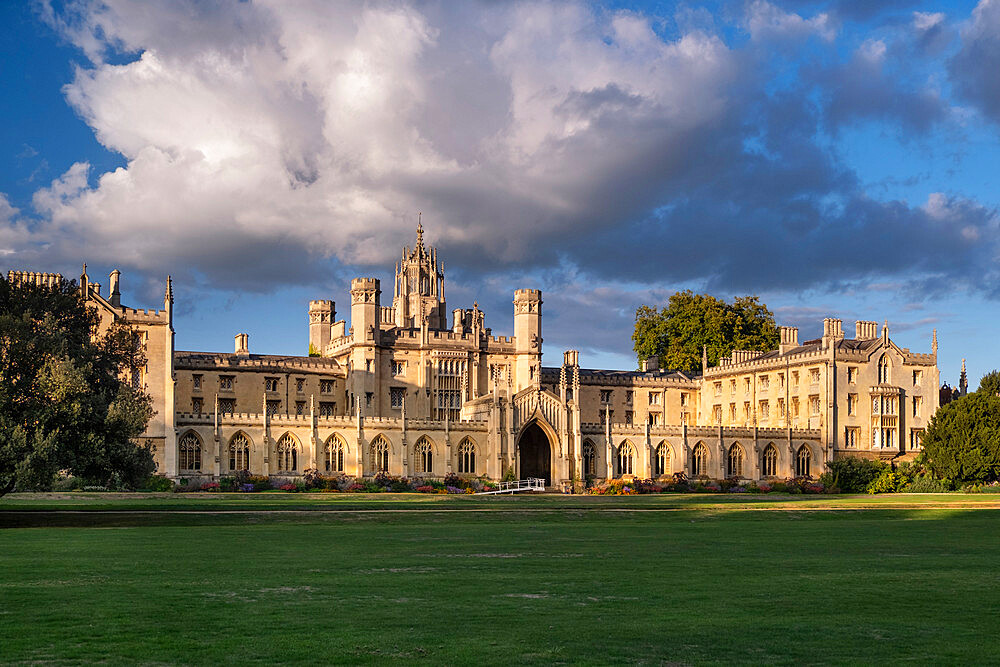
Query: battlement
(365, 284)
(324, 305)
(528, 295)
(141, 316)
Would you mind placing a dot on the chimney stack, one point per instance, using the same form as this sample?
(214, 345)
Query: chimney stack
(865, 330)
(243, 344)
(650, 364)
(789, 339)
(833, 330)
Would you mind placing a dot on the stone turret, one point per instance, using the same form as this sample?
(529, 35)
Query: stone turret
(528, 335)
(365, 295)
(114, 289)
(322, 313)
(418, 294)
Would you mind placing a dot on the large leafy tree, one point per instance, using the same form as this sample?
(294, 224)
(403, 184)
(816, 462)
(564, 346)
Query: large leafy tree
(962, 440)
(990, 384)
(678, 332)
(65, 399)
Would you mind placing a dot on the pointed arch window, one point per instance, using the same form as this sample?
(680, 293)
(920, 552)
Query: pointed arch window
(661, 462)
(734, 462)
(288, 453)
(189, 450)
(589, 459)
(334, 454)
(769, 461)
(883, 369)
(239, 452)
(625, 457)
(424, 455)
(802, 458)
(467, 457)
(380, 454)
(699, 460)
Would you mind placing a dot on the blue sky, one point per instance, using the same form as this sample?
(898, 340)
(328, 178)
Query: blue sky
(837, 158)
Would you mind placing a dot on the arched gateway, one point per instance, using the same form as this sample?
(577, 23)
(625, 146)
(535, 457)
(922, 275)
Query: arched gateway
(534, 453)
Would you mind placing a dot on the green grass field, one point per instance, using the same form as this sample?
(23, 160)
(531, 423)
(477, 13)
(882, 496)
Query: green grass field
(544, 579)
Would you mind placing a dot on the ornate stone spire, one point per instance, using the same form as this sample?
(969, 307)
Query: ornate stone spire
(420, 230)
(963, 381)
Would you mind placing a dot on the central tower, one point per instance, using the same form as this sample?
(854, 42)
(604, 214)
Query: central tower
(418, 294)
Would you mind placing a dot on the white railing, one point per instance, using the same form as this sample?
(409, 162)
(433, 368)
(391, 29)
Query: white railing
(530, 484)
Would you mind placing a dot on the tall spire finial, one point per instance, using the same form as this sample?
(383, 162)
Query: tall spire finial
(934, 343)
(420, 229)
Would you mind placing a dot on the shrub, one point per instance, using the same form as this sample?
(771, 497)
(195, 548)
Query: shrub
(259, 482)
(69, 483)
(158, 483)
(210, 486)
(889, 481)
(427, 488)
(288, 487)
(852, 474)
(312, 479)
(992, 487)
(926, 484)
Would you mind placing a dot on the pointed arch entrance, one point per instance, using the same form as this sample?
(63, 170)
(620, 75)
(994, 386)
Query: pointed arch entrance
(534, 453)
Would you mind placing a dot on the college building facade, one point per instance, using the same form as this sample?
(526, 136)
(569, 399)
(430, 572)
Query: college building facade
(414, 390)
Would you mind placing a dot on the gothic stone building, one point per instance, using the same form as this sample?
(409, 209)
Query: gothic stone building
(399, 390)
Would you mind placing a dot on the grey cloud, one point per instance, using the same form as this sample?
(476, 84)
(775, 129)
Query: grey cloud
(855, 10)
(876, 88)
(974, 68)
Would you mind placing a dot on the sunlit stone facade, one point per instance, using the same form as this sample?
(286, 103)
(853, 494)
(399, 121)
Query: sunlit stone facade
(416, 390)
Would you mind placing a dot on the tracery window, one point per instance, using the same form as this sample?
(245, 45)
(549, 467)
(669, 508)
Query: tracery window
(734, 462)
(334, 451)
(380, 454)
(467, 457)
(287, 453)
(661, 462)
(424, 455)
(625, 456)
(699, 460)
(769, 461)
(883, 370)
(239, 452)
(802, 458)
(589, 459)
(190, 451)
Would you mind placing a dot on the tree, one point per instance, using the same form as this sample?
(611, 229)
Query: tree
(990, 384)
(962, 440)
(678, 332)
(65, 399)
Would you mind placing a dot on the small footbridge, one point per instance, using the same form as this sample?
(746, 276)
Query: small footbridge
(530, 484)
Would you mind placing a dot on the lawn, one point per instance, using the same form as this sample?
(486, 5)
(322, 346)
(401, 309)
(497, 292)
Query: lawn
(709, 579)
